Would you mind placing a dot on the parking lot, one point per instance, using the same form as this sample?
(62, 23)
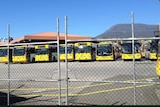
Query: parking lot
(90, 83)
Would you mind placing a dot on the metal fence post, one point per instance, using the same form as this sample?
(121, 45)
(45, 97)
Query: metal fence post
(66, 62)
(8, 95)
(58, 60)
(134, 74)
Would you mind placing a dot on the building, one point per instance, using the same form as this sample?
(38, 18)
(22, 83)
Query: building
(47, 36)
(3, 43)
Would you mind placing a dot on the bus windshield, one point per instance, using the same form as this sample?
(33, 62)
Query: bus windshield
(62, 49)
(153, 48)
(103, 50)
(42, 51)
(83, 49)
(3, 52)
(19, 51)
(127, 48)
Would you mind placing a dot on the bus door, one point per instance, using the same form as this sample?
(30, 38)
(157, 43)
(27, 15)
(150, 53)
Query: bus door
(62, 52)
(53, 53)
(70, 52)
(93, 51)
(31, 53)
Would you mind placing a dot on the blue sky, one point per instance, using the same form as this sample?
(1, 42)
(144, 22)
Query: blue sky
(85, 17)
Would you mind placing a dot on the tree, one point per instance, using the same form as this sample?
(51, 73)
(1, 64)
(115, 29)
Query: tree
(10, 39)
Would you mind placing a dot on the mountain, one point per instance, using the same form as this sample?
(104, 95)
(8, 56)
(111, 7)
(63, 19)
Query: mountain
(125, 31)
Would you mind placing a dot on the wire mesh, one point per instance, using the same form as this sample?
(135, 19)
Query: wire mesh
(113, 81)
(104, 82)
(33, 76)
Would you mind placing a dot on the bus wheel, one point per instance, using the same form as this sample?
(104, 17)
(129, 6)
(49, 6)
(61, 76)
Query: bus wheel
(114, 58)
(53, 59)
(33, 59)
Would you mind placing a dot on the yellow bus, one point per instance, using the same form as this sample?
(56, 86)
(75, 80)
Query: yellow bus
(70, 52)
(4, 54)
(152, 51)
(126, 47)
(158, 61)
(85, 51)
(45, 53)
(23, 54)
(105, 51)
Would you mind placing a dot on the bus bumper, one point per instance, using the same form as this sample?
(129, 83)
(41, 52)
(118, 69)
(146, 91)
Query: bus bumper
(130, 56)
(69, 57)
(153, 56)
(19, 59)
(3, 59)
(103, 58)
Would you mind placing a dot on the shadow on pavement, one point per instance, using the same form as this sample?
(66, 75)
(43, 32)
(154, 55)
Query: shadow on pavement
(13, 99)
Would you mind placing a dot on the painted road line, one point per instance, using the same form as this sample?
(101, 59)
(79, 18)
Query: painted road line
(86, 94)
(78, 87)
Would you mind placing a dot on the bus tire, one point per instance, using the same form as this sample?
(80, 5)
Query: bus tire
(53, 59)
(33, 60)
(114, 58)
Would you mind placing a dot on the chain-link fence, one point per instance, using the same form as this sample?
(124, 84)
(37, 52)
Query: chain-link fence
(129, 79)
(32, 75)
(102, 71)
(89, 82)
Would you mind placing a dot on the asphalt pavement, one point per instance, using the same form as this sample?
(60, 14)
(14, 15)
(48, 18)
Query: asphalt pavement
(90, 83)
